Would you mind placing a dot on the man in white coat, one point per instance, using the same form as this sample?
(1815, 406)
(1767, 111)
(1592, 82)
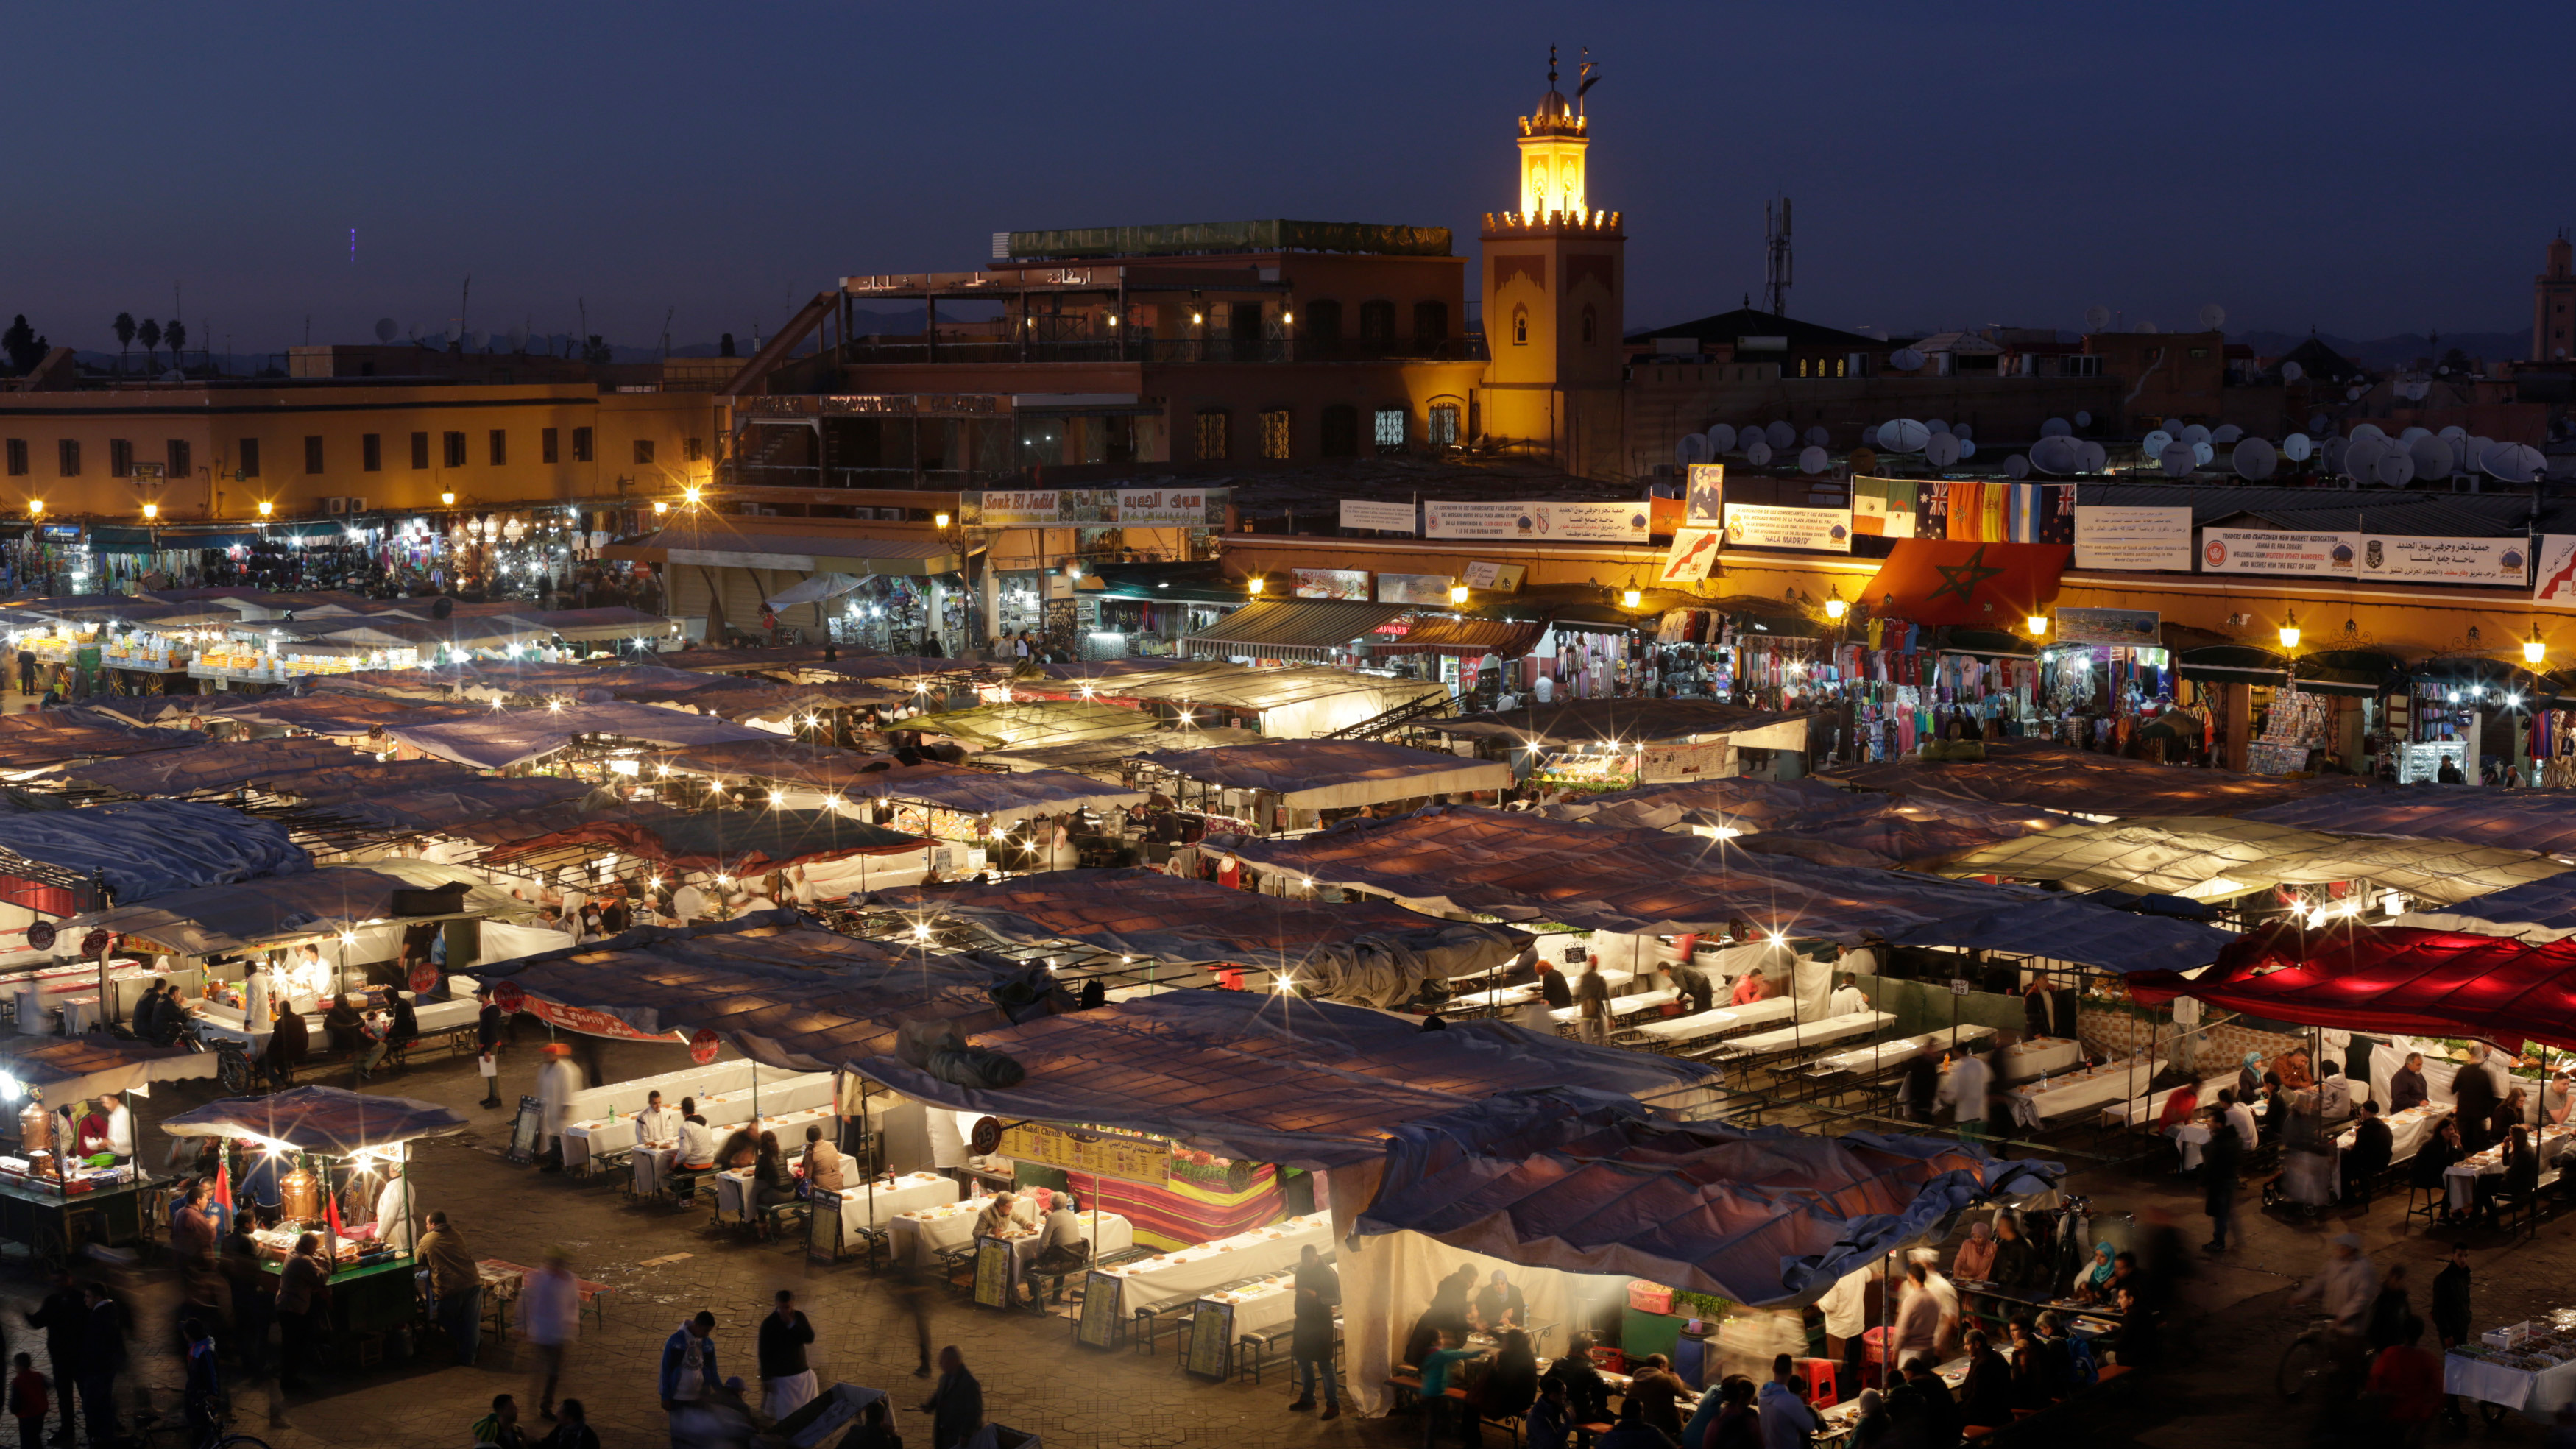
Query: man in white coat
(1964, 1090)
(557, 1081)
(394, 1211)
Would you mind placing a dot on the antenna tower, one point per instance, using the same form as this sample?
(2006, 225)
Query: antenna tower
(1775, 258)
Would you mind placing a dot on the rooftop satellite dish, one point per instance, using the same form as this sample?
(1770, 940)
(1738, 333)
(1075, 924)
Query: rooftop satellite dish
(2352, 394)
(1817, 438)
(2453, 434)
(2147, 327)
(475, 339)
(2292, 372)
(2474, 451)
(386, 327)
(2416, 391)
(1905, 359)
(2201, 452)
(1967, 446)
(2226, 434)
(434, 340)
(1757, 452)
(2363, 432)
(2253, 459)
(2096, 457)
(2514, 462)
(2054, 428)
(2320, 423)
(2212, 317)
(2433, 457)
(1692, 449)
(2096, 318)
(2016, 466)
(1779, 435)
(1941, 451)
(1813, 459)
(1936, 426)
(2192, 433)
(2060, 455)
(518, 337)
(1903, 435)
(2361, 457)
(1962, 432)
(2409, 436)
(2296, 447)
(2177, 459)
(2155, 443)
(2395, 469)
(2083, 420)
(1721, 438)
(2331, 451)
(412, 332)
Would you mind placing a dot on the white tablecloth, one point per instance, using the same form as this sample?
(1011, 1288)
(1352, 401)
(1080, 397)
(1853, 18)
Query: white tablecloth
(2537, 1393)
(1169, 1278)
(733, 1189)
(1807, 1034)
(1622, 1005)
(905, 1193)
(2460, 1178)
(1720, 1019)
(2029, 1058)
(2408, 1131)
(1885, 1056)
(1264, 1306)
(2150, 1108)
(916, 1233)
(800, 1093)
(437, 1016)
(2082, 1091)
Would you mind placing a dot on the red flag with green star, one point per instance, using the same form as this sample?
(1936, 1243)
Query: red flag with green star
(1955, 581)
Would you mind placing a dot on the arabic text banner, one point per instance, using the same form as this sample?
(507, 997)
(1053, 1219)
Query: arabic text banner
(1573, 522)
(2133, 538)
(1763, 525)
(2449, 560)
(2556, 581)
(2270, 551)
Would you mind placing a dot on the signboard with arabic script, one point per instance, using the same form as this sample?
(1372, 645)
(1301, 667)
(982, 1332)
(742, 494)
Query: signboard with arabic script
(1764, 525)
(1569, 522)
(1103, 507)
(2447, 560)
(2277, 551)
(1123, 1158)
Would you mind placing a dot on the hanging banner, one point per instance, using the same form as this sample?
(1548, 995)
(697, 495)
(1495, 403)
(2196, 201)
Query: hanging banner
(1058, 507)
(1763, 525)
(1705, 504)
(2136, 539)
(1431, 589)
(1383, 517)
(589, 1021)
(1570, 522)
(2556, 581)
(1491, 574)
(1014, 508)
(1167, 507)
(1693, 554)
(2269, 551)
(1885, 507)
(1659, 764)
(2446, 560)
(1330, 584)
(1120, 1157)
(2131, 628)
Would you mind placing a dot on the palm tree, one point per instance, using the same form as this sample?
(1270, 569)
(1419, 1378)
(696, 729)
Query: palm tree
(124, 325)
(149, 334)
(176, 334)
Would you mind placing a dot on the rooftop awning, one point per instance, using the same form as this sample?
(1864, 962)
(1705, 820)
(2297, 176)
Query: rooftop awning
(1334, 774)
(2390, 979)
(1294, 628)
(505, 738)
(715, 547)
(2078, 931)
(37, 738)
(2082, 783)
(1632, 721)
(1810, 819)
(1462, 639)
(326, 1120)
(1001, 798)
(1045, 722)
(733, 842)
(2542, 820)
(2212, 858)
(67, 1069)
(279, 910)
(2544, 910)
(149, 848)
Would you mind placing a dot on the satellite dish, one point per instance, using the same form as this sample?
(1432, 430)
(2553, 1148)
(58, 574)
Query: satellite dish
(2514, 462)
(518, 337)
(2060, 454)
(2352, 394)
(434, 340)
(2016, 466)
(1721, 438)
(2361, 457)
(2212, 317)
(2453, 434)
(1942, 450)
(2408, 437)
(2096, 318)
(1903, 435)
(1693, 448)
(1818, 438)
(2395, 469)
(1757, 452)
(1779, 435)
(1812, 459)
(1906, 359)
(2364, 431)
(2083, 420)
(2096, 458)
(2054, 428)
(2296, 447)
(2433, 457)
(2253, 459)
(2320, 423)
(1962, 431)
(1936, 426)
(2201, 453)
(412, 332)
(2331, 452)
(2177, 459)
(2147, 327)
(386, 327)
(475, 339)
(2475, 450)
(2155, 443)
(2225, 434)
(2415, 391)
(2292, 372)
(1967, 446)
(2192, 433)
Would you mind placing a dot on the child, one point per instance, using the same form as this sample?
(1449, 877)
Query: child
(28, 1401)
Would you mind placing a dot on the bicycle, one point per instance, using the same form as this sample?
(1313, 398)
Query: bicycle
(2309, 1360)
(207, 1432)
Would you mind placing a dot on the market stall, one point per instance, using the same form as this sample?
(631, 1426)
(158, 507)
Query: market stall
(1285, 784)
(54, 1199)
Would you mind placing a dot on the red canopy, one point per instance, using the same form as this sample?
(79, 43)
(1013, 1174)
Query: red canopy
(2390, 979)
(1988, 585)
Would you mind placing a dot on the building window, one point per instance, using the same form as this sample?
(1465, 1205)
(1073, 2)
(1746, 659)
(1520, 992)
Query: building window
(452, 446)
(547, 451)
(1802, 362)
(120, 458)
(312, 453)
(581, 445)
(1444, 425)
(1274, 433)
(693, 450)
(1520, 326)
(17, 457)
(371, 452)
(1323, 332)
(1387, 429)
(419, 451)
(1430, 325)
(67, 457)
(248, 452)
(643, 452)
(179, 459)
(1341, 431)
(1841, 366)
(1377, 323)
(500, 447)
(1591, 324)
(1212, 430)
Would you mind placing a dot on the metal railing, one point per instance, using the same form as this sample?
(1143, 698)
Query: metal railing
(1167, 350)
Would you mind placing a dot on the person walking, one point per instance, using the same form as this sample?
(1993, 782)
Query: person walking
(1592, 1003)
(64, 1316)
(912, 1295)
(455, 1285)
(28, 1403)
(1310, 1340)
(1964, 1089)
(689, 1375)
(2218, 1165)
(558, 1082)
(787, 1381)
(549, 1314)
(102, 1357)
(2451, 1319)
(254, 1298)
(488, 1024)
(956, 1403)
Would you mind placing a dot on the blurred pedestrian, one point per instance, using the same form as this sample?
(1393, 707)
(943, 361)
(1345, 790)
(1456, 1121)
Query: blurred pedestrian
(549, 1314)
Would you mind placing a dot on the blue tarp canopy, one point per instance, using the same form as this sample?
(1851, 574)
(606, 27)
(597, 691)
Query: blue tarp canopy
(2079, 931)
(326, 1120)
(2542, 820)
(1765, 1216)
(153, 847)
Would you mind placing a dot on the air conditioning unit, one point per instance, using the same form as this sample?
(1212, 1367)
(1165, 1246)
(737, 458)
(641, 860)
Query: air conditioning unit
(335, 505)
(357, 505)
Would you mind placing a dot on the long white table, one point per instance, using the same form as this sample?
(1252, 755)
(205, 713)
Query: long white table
(2080, 1091)
(860, 1209)
(2538, 1393)
(1885, 1056)
(2150, 1107)
(1806, 1034)
(780, 1095)
(437, 1016)
(733, 1189)
(1177, 1277)
(1720, 1019)
(1263, 1306)
(1620, 1005)
(2035, 1055)
(2460, 1179)
(916, 1234)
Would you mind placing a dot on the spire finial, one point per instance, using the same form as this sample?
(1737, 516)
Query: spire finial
(1551, 67)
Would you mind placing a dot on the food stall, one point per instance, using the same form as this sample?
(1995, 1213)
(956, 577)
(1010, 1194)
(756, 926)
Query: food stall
(343, 1151)
(49, 1202)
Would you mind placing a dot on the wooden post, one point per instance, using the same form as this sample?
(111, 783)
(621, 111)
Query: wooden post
(2238, 723)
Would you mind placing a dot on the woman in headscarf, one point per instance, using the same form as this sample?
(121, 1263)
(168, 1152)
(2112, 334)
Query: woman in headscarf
(1975, 1262)
(2249, 1077)
(2093, 1279)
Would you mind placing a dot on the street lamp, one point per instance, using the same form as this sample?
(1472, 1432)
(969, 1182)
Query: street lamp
(940, 520)
(35, 508)
(151, 511)
(1836, 607)
(1633, 597)
(2037, 624)
(661, 506)
(447, 500)
(1254, 585)
(2290, 630)
(2534, 652)
(1457, 596)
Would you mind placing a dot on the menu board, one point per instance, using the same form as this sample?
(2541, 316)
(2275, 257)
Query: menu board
(1103, 1294)
(992, 1273)
(524, 1130)
(1211, 1352)
(1123, 1158)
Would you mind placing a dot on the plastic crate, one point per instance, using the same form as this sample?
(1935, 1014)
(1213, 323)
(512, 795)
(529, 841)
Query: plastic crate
(1649, 1297)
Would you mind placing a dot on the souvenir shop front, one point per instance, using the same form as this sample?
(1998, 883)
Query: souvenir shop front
(2094, 695)
(1577, 659)
(1770, 663)
(1922, 684)
(2477, 716)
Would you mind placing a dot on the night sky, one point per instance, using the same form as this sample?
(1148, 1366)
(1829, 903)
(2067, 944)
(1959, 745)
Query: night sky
(2364, 169)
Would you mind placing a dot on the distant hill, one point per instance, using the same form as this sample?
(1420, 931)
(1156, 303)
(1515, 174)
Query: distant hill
(2397, 351)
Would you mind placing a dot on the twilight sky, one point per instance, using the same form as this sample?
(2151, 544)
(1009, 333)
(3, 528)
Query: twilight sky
(2361, 168)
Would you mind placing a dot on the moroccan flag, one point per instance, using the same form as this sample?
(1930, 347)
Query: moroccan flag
(1955, 581)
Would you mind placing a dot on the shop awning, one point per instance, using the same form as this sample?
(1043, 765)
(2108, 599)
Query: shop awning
(1373, 954)
(1334, 774)
(1463, 639)
(66, 1069)
(1002, 799)
(41, 737)
(273, 910)
(505, 738)
(1294, 628)
(732, 842)
(2390, 979)
(2081, 932)
(711, 546)
(150, 848)
(2356, 673)
(2214, 858)
(1631, 721)
(2542, 820)
(2051, 778)
(2231, 664)
(1764, 1216)
(2544, 910)
(326, 1120)
(1811, 819)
